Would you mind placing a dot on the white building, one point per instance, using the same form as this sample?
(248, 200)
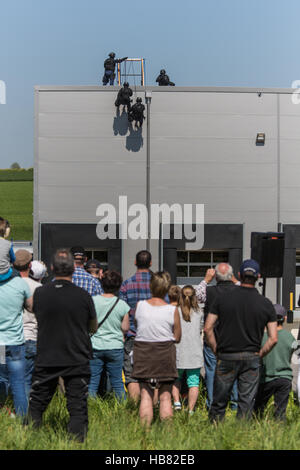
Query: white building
(202, 150)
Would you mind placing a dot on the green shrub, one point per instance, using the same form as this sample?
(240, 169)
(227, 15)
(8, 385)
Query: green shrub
(16, 175)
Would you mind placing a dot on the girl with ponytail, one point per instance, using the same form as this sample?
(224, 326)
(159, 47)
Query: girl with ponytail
(189, 352)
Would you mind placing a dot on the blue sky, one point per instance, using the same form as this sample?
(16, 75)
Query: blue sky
(198, 42)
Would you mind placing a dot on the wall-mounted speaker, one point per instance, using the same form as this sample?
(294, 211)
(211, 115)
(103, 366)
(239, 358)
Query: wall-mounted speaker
(267, 248)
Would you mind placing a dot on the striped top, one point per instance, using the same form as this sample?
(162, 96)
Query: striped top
(134, 289)
(86, 281)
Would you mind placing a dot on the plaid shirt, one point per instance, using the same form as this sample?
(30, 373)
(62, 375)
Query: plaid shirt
(133, 290)
(201, 292)
(85, 280)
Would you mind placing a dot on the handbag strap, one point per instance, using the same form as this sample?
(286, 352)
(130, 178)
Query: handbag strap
(108, 313)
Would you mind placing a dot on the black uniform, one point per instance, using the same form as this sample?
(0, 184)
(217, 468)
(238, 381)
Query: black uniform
(137, 113)
(124, 97)
(164, 80)
(109, 68)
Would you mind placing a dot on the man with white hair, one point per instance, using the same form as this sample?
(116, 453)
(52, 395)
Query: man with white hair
(225, 281)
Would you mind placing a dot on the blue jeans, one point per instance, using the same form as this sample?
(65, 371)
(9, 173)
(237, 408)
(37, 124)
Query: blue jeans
(243, 367)
(30, 354)
(113, 360)
(210, 363)
(109, 76)
(12, 375)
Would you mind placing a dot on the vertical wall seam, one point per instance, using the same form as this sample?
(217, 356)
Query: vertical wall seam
(279, 281)
(148, 169)
(36, 235)
(278, 160)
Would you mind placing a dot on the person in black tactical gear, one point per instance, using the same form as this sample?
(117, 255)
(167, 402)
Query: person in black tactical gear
(124, 97)
(163, 79)
(137, 113)
(109, 68)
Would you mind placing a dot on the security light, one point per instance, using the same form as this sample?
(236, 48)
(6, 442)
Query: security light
(260, 138)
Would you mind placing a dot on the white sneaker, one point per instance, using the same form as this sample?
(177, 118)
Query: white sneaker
(177, 405)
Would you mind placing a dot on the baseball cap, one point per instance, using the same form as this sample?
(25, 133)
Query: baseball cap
(280, 312)
(251, 267)
(38, 270)
(23, 257)
(78, 251)
(93, 263)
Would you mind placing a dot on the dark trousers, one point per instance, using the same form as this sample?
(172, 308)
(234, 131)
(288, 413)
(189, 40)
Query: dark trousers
(210, 362)
(109, 76)
(124, 102)
(280, 388)
(243, 367)
(76, 381)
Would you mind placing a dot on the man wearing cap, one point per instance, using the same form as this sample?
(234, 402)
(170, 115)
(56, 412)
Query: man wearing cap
(24, 265)
(14, 294)
(38, 271)
(277, 375)
(80, 277)
(242, 314)
(94, 268)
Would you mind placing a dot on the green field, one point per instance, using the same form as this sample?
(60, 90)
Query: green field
(16, 205)
(114, 426)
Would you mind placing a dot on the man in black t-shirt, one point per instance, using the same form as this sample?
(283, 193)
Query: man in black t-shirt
(65, 314)
(241, 315)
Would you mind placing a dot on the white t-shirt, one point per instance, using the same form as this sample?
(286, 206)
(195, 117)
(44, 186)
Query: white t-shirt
(154, 323)
(189, 352)
(29, 319)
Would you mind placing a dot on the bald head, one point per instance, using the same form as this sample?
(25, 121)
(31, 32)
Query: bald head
(224, 272)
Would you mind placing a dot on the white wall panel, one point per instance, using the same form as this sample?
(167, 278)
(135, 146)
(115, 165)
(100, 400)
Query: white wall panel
(202, 151)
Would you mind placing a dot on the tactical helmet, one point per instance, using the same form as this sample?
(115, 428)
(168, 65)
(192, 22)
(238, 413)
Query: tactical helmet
(162, 72)
(125, 84)
(112, 55)
(139, 100)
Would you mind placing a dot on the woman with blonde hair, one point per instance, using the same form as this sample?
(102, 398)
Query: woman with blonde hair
(174, 295)
(189, 352)
(154, 353)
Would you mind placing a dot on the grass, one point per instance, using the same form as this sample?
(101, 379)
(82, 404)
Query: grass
(16, 205)
(114, 426)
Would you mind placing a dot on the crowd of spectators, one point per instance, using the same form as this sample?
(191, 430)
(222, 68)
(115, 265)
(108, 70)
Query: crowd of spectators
(74, 322)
